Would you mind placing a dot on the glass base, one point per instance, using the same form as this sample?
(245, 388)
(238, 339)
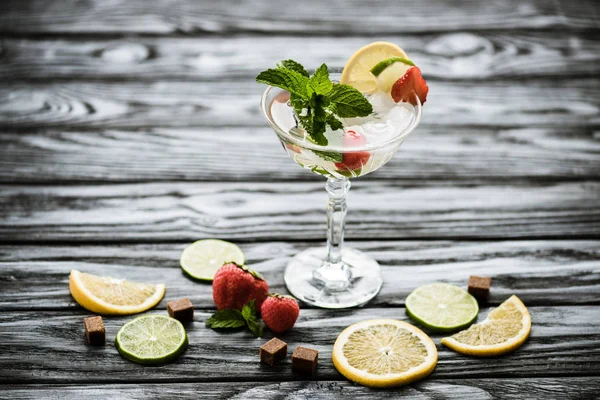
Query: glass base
(352, 282)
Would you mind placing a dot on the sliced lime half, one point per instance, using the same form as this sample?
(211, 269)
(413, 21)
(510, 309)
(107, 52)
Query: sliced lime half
(151, 339)
(382, 65)
(203, 258)
(442, 307)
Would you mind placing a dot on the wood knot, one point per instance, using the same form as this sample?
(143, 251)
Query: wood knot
(459, 45)
(126, 53)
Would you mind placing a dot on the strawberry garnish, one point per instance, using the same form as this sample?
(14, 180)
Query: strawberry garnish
(353, 160)
(411, 81)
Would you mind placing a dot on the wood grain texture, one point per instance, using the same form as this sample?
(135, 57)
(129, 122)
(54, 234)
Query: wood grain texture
(459, 389)
(307, 17)
(50, 348)
(539, 272)
(248, 211)
(562, 102)
(448, 56)
(254, 154)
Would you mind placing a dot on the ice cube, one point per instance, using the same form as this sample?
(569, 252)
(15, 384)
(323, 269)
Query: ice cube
(381, 102)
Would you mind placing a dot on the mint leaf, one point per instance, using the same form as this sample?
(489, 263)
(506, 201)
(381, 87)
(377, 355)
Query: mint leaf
(348, 102)
(235, 319)
(249, 315)
(249, 310)
(317, 102)
(294, 66)
(317, 129)
(286, 79)
(329, 156)
(320, 80)
(255, 327)
(226, 319)
(333, 122)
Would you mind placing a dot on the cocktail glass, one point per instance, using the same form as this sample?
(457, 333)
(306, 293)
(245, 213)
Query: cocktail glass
(335, 276)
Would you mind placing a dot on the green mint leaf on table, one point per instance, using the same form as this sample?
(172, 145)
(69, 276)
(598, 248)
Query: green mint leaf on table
(348, 102)
(249, 310)
(286, 79)
(249, 314)
(294, 66)
(255, 327)
(236, 319)
(226, 319)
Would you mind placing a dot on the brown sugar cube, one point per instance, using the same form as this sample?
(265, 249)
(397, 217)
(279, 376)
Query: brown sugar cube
(94, 331)
(182, 309)
(304, 360)
(273, 351)
(479, 287)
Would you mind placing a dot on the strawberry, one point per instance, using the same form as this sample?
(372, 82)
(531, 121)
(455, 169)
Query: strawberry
(279, 312)
(411, 81)
(353, 160)
(293, 147)
(235, 285)
(282, 97)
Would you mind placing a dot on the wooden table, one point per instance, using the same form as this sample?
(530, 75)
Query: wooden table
(130, 128)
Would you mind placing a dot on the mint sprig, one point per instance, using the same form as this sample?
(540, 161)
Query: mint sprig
(230, 318)
(294, 66)
(316, 100)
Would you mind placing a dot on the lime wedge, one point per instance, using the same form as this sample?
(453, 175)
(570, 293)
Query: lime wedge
(151, 339)
(442, 307)
(203, 258)
(381, 65)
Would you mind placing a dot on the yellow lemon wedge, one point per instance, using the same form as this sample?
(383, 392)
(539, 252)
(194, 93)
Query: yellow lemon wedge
(384, 353)
(106, 295)
(357, 71)
(505, 329)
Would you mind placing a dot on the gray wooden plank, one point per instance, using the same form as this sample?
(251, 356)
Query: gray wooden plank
(455, 56)
(574, 388)
(539, 272)
(49, 347)
(254, 211)
(563, 102)
(311, 16)
(207, 154)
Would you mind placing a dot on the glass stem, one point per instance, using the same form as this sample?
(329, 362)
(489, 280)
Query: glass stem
(336, 216)
(333, 274)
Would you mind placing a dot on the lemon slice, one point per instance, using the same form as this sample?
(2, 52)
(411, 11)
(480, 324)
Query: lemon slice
(357, 71)
(106, 295)
(505, 329)
(384, 353)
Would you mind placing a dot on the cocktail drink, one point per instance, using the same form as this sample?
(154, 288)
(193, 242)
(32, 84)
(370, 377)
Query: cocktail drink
(342, 129)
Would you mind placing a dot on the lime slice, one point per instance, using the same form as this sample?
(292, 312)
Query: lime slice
(442, 307)
(203, 258)
(151, 339)
(381, 65)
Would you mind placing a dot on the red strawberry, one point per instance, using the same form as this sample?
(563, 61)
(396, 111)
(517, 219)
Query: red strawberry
(282, 97)
(353, 160)
(294, 148)
(235, 285)
(279, 312)
(412, 81)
